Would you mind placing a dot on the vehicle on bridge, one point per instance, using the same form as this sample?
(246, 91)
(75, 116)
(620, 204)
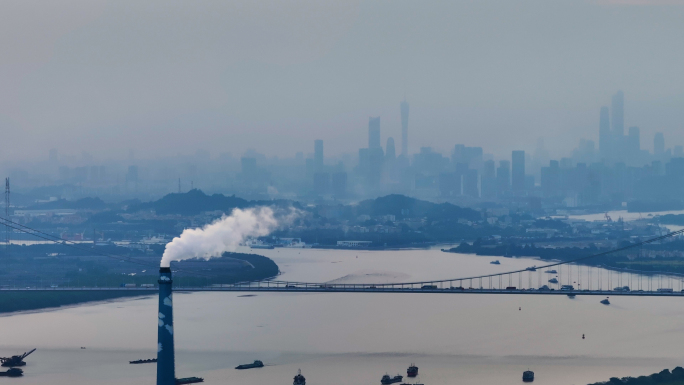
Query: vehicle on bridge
(544, 287)
(567, 288)
(621, 288)
(429, 287)
(665, 290)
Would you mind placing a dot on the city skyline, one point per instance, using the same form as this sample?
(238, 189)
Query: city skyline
(259, 82)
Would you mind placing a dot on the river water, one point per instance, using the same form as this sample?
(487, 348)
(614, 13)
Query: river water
(353, 338)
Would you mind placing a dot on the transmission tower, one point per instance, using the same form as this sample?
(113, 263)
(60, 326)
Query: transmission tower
(7, 214)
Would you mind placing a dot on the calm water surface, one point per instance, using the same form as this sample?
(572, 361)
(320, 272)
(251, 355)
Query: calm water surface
(352, 338)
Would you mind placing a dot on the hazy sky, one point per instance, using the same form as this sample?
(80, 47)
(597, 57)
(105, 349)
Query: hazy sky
(163, 77)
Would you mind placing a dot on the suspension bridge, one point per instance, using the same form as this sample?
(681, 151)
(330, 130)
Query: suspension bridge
(572, 277)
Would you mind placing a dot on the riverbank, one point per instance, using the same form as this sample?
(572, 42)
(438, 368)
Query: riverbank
(665, 377)
(14, 301)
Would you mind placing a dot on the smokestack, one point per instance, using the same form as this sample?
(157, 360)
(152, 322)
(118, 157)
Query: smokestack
(166, 365)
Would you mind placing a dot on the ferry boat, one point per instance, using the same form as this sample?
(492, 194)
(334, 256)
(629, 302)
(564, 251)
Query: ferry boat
(528, 376)
(605, 301)
(299, 379)
(553, 280)
(551, 272)
(255, 364)
(412, 370)
(386, 379)
(495, 262)
(189, 380)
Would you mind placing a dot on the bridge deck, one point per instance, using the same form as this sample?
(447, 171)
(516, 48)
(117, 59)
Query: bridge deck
(311, 289)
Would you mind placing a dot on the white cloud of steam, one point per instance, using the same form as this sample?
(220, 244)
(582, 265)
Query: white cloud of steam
(223, 235)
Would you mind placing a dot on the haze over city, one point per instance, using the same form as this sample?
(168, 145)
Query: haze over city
(262, 192)
(166, 78)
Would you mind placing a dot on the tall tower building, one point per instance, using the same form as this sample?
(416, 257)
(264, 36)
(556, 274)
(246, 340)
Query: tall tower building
(404, 107)
(618, 118)
(318, 154)
(604, 133)
(390, 152)
(659, 144)
(374, 132)
(518, 173)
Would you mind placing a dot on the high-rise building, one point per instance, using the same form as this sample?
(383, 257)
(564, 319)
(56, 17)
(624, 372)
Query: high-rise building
(604, 133)
(390, 151)
(503, 177)
(633, 142)
(659, 144)
(374, 132)
(404, 107)
(489, 180)
(518, 158)
(318, 154)
(618, 118)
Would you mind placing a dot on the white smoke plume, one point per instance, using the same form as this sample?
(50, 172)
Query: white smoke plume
(222, 235)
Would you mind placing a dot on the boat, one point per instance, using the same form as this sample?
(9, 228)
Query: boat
(261, 246)
(188, 380)
(412, 370)
(553, 280)
(495, 262)
(12, 372)
(386, 379)
(605, 301)
(551, 272)
(147, 361)
(299, 379)
(13, 361)
(255, 364)
(528, 376)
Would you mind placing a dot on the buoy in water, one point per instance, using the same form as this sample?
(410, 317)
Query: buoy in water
(582, 336)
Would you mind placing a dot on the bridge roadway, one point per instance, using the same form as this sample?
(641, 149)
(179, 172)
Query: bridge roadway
(360, 289)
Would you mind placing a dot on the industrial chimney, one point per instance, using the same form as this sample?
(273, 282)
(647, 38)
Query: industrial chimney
(166, 365)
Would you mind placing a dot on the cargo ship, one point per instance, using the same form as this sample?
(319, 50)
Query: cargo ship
(528, 376)
(386, 379)
(299, 379)
(412, 370)
(147, 361)
(12, 372)
(255, 364)
(188, 380)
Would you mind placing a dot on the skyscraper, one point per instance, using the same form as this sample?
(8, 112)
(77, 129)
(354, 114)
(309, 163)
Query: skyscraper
(604, 133)
(618, 118)
(374, 132)
(390, 151)
(318, 154)
(518, 173)
(404, 107)
(633, 142)
(659, 144)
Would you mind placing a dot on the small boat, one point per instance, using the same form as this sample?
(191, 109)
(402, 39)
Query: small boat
(299, 379)
(528, 376)
(412, 370)
(495, 262)
(12, 372)
(605, 301)
(553, 280)
(551, 272)
(147, 361)
(188, 380)
(255, 364)
(386, 379)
